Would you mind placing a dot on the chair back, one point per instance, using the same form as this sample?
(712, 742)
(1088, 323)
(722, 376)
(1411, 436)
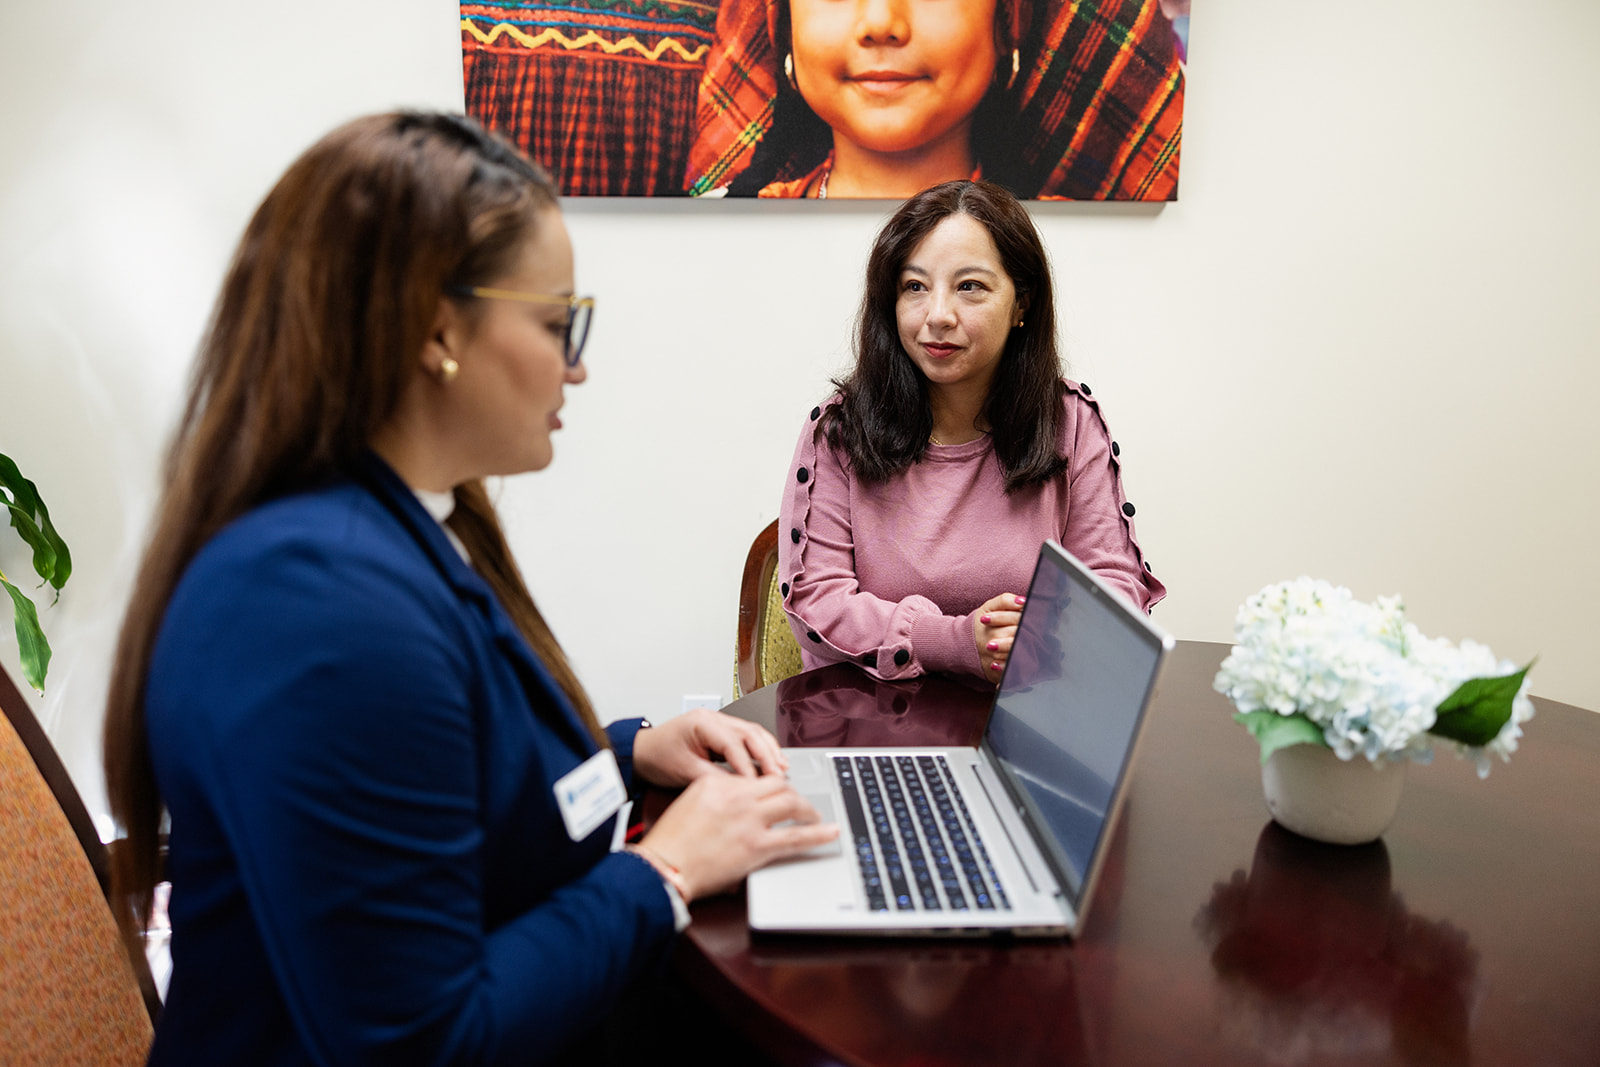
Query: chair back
(70, 992)
(767, 651)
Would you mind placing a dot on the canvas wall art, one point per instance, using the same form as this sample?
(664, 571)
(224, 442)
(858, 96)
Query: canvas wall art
(1055, 99)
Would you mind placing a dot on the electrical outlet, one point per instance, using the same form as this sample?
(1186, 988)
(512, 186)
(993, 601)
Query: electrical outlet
(702, 700)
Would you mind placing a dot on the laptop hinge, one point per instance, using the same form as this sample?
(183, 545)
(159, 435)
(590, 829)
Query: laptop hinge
(1038, 871)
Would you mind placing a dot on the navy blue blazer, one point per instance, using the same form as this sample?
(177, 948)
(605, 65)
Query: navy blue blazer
(357, 749)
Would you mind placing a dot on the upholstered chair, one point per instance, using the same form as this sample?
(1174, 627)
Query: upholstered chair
(70, 992)
(766, 650)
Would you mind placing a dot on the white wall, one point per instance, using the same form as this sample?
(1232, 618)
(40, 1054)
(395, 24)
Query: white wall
(1362, 346)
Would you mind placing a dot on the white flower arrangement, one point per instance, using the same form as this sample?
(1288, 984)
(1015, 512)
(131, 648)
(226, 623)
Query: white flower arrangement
(1313, 665)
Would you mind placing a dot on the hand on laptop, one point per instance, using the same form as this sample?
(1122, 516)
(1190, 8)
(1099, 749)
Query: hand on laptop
(682, 749)
(722, 827)
(994, 627)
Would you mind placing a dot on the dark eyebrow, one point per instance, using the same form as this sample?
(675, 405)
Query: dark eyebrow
(912, 268)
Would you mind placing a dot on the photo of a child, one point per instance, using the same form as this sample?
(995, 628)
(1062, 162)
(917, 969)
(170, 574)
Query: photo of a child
(1054, 99)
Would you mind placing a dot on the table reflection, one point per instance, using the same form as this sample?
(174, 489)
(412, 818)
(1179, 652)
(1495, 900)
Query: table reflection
(898, 1001)
(843, 706)
(1319, 958)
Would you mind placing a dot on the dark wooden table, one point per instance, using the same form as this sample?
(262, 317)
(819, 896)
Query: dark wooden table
(1469, 934)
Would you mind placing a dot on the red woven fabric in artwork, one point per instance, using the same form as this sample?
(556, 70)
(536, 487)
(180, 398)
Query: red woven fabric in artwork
(1107, 103)
(600, 92)
(735, 96)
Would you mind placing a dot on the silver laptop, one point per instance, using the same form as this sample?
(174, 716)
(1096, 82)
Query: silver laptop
(1007, 837)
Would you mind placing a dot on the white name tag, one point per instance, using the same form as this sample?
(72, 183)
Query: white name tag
(590, 794)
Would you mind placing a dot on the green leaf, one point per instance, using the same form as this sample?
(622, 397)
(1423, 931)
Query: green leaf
(1477, 711)
(44, 555)
(31, 644)
(1276, 731)
(55, 564)
(25, 492)
(63, 554)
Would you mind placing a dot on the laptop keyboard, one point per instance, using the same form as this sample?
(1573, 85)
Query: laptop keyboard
(915, 844)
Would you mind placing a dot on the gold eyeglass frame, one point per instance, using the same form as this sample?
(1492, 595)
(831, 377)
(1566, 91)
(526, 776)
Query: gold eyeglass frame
(574, 351)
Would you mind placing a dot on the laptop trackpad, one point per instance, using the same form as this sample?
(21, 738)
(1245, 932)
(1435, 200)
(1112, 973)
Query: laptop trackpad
(824, 803)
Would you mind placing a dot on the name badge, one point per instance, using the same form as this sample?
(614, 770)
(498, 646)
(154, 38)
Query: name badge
(590, 794)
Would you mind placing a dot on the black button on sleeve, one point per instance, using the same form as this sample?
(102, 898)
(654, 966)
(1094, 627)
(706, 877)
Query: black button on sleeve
(1147, 566)
(816, 413)
(1086, 390)
(1127, 509)
(801, 475)
(814, 636)
(784, 588)
(1116, 449)
(794, 535)
(870, 659)
(901, 658)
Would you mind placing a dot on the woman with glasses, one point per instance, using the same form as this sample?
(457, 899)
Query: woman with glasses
(392, 806)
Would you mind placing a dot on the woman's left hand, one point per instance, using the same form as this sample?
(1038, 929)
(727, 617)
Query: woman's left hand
(681, 749)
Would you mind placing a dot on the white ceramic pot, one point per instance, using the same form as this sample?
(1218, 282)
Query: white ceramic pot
(1344, 802)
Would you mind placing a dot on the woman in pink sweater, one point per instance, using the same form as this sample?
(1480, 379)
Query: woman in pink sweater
(921, 491)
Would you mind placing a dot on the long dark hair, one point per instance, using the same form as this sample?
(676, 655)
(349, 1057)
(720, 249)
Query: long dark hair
(884, 419)
(797, 140)
(329, 297)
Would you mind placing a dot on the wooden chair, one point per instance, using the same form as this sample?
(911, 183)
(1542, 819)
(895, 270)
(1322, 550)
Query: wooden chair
(767, 651)
(70, 991)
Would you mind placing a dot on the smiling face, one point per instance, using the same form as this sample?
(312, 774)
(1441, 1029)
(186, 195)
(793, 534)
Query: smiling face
(956, 305)
(893, 75)
(505, 398)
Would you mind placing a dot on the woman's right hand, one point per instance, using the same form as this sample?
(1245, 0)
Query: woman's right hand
(722, 827)
(994, 628)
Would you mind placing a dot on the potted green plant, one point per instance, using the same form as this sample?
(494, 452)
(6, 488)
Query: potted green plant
(51, 559)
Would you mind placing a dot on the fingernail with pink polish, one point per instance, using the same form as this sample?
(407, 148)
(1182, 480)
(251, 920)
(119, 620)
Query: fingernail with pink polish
(984, 619)
(1020, 600)
(994, 646)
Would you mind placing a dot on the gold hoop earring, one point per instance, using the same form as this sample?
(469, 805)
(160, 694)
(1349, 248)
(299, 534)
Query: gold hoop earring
(788, 70)
(1016, 65)
(448, 369)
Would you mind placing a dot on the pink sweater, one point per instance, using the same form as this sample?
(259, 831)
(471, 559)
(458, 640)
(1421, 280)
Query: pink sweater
(890, 576)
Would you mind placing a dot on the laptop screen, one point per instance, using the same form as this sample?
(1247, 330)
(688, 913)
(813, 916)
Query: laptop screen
(1069, 707)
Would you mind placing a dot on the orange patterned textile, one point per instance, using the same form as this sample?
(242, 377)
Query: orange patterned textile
(600, 92)
(67, 992)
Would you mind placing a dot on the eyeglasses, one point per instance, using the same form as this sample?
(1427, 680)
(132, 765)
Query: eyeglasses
(580, 312)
